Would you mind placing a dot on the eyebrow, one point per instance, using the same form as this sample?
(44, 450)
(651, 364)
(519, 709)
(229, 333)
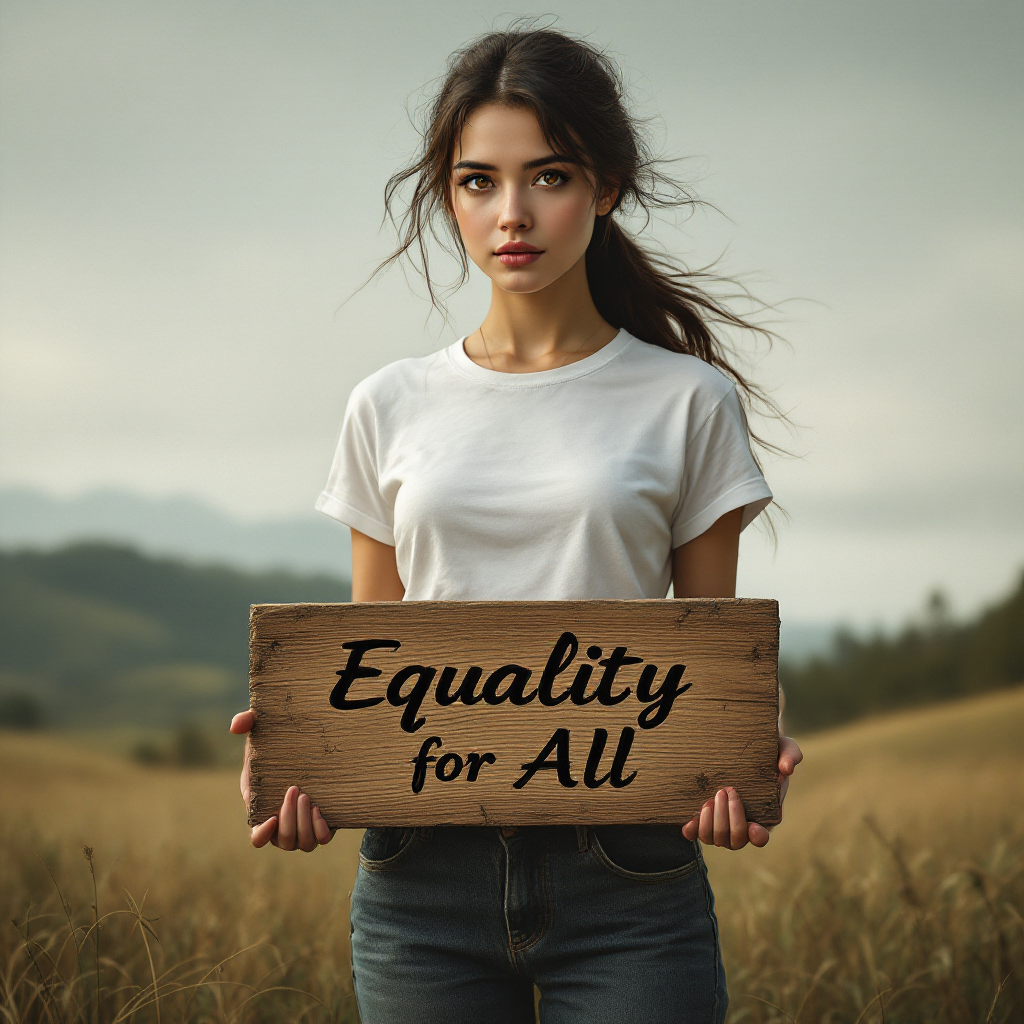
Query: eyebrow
(473, 165)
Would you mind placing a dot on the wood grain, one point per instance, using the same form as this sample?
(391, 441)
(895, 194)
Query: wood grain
(357, 763)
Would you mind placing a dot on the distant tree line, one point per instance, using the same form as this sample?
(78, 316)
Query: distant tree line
(935, 659)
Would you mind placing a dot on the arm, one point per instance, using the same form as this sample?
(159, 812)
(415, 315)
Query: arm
(706, 567)
(374, 570)
(299, 825)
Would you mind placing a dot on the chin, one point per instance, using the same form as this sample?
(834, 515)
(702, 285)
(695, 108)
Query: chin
(522, 287)
(524, 281)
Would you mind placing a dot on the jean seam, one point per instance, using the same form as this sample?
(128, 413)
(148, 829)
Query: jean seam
(544, 923)
(511, 945)
(714, 926)
(582, 838)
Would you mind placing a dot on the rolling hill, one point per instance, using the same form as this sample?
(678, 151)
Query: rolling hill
(101, 634)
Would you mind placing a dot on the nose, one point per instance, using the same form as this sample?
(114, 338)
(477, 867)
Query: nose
(515, 211)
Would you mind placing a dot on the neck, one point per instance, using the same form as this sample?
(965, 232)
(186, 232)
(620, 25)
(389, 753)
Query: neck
(556, 325)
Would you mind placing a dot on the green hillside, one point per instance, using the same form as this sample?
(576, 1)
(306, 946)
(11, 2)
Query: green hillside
(921, 664)
(100, 634)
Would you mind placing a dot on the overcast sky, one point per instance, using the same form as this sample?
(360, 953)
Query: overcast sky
(192, 190)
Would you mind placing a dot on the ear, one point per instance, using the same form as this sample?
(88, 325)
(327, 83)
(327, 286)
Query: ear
(607, 199)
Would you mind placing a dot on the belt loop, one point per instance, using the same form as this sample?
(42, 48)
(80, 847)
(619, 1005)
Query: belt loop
(583, 838)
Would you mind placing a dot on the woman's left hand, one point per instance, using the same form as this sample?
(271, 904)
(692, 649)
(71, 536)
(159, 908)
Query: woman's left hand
(723, 821)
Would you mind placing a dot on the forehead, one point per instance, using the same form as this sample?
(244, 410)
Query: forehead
(501, 136)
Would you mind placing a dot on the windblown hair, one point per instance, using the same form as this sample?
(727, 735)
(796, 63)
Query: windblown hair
(576, 93)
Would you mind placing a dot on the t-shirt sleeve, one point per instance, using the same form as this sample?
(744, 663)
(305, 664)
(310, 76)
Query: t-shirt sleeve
(352, 495)
(719, 474)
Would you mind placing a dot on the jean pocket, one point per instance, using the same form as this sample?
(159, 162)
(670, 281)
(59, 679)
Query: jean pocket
(645, 853)
(383, 848)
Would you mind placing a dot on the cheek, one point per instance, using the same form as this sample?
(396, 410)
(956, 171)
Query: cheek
(570, 219)
(473, 221)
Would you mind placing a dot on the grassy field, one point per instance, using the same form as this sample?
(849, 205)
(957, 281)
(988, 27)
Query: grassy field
(894, 891)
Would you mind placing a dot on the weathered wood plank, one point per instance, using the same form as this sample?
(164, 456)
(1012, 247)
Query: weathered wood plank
(358, 763)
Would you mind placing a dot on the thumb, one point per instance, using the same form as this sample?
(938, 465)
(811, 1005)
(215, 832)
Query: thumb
(242, 723)
(790, 755)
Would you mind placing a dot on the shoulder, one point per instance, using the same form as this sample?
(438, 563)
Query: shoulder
(677, 373)
(395, 381)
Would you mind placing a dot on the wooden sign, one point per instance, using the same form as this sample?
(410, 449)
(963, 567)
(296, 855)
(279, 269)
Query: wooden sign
(517, 712)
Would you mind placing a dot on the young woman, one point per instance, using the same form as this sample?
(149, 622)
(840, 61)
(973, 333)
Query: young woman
(587, 440)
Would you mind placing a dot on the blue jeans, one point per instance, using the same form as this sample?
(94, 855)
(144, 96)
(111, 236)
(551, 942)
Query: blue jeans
(613, 924)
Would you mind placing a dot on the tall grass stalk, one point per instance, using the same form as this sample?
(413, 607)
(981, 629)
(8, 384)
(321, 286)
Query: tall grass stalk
(44, 974)
(87, 850)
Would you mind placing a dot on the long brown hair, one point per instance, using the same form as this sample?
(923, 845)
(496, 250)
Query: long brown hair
(576, 93)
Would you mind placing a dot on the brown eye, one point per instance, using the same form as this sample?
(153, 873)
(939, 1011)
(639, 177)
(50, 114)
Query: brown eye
(552, 178)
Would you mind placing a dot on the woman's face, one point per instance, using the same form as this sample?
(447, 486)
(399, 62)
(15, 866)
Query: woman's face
(525, 215)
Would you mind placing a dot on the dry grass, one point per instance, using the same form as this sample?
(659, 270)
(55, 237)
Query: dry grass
(894, 892)
(175, 843)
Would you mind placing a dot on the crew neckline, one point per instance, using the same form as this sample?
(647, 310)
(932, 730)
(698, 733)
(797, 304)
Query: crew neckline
(537, 378)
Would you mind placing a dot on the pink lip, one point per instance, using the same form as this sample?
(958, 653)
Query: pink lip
(517, 246)
(519, 259)
(518, 254)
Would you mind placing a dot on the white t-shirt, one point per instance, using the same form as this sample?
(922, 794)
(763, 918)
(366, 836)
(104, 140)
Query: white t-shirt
(575, 482)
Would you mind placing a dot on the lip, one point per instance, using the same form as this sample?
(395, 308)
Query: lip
(516, 247)
(518, 254)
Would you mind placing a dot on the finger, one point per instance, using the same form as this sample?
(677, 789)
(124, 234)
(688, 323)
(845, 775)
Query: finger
(286, 827)
(690, 829)
(783, 790)
(323, 831)
(306, 837)
(738, 836)
(263, 834)
(242, 723)
(243, 780)
(707, 823)
(721, 826)
(759, 835)
(790, 755)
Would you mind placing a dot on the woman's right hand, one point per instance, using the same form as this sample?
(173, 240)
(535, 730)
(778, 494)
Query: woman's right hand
(298, 825)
